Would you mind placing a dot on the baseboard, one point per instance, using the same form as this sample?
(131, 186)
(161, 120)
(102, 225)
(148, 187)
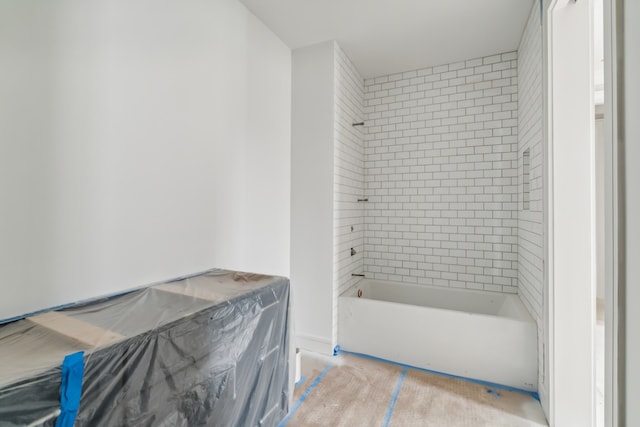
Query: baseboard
(314, 343)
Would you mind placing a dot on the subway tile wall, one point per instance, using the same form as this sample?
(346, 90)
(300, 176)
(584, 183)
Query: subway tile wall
(530, 226)
(441, 175)
(348, 221)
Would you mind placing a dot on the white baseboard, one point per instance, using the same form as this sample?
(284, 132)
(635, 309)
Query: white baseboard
(314, 343)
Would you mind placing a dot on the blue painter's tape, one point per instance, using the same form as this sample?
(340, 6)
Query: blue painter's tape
(541, 12)
(394, 398)
(533, 394)
(336, 350)
(304, 396)
(70, 389)
(495, 393)
(103, 297)
(35, 313)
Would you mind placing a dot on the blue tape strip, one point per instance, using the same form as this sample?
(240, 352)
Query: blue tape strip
(70, 389)
(301, 380)
(533, 394)
(541, 12)
(103, 297)
(394, 398)
(495, 393)
(304, 396)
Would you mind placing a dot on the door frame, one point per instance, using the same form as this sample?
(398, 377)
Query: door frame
(568, 392)
(614, 221)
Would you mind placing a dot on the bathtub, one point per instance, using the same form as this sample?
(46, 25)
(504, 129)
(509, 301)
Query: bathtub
(480, 335)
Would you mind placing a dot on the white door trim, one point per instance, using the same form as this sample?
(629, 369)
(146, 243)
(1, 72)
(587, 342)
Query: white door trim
(569, 214)
(614, 252)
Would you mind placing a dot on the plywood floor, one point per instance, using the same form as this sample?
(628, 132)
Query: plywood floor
(350, 390)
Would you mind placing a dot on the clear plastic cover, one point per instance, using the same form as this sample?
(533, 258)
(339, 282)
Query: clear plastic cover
(210, 350)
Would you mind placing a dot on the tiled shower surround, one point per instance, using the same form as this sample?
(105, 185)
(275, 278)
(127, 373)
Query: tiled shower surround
(348, 172)
(348, 177)
(530, 219)
(441, 175)
(441, 161)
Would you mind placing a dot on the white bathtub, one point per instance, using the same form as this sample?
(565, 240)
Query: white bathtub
(480, 335)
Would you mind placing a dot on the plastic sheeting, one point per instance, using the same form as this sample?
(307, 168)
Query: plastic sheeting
(210, 350)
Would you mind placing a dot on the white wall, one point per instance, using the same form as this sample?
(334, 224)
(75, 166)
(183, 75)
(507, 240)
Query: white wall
(530, 136)
(441, 175)
(312, 169)
(139, 141)
(327, 179)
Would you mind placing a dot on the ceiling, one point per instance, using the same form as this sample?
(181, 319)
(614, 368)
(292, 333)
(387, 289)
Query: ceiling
(388, 36)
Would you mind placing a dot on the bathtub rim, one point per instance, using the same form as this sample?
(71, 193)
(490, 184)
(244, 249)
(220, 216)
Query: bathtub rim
(525, 315)
(506, 355)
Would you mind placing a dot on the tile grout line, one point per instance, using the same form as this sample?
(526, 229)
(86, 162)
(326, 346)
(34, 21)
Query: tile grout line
(304, 395)
(394, 398)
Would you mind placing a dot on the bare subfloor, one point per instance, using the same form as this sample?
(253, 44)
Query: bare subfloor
(349, 390)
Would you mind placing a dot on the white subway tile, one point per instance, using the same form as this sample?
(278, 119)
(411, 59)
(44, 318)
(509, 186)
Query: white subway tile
(437, 187)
